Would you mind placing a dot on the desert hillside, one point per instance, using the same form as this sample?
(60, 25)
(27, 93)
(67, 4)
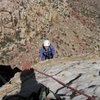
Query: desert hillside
(89, 8)
(24, 24)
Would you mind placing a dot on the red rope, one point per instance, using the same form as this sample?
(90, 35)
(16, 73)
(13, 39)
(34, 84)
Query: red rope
(66, 85)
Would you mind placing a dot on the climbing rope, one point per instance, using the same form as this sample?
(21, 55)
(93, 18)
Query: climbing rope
(66, 85)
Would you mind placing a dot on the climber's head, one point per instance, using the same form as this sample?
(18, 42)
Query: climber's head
(46, 44)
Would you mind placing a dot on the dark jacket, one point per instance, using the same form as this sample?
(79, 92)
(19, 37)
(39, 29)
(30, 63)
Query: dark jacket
(30, 88)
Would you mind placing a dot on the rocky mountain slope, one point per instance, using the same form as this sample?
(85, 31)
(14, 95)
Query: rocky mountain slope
(89, 8)
(83, 75)
(24, 24)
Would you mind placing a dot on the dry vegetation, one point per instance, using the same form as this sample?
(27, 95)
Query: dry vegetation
(24, 24)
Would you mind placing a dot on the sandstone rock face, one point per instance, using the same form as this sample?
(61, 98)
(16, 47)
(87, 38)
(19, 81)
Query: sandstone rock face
(81, 74)
(89, 8)
(24, 24)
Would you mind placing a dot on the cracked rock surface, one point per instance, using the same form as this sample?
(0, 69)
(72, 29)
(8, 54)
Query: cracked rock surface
(81, 74)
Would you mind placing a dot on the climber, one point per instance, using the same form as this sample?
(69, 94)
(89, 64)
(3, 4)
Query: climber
(47, 51)
(31, 89)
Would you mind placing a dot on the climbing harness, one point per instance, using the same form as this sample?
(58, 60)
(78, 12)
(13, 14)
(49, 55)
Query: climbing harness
(66, 85)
